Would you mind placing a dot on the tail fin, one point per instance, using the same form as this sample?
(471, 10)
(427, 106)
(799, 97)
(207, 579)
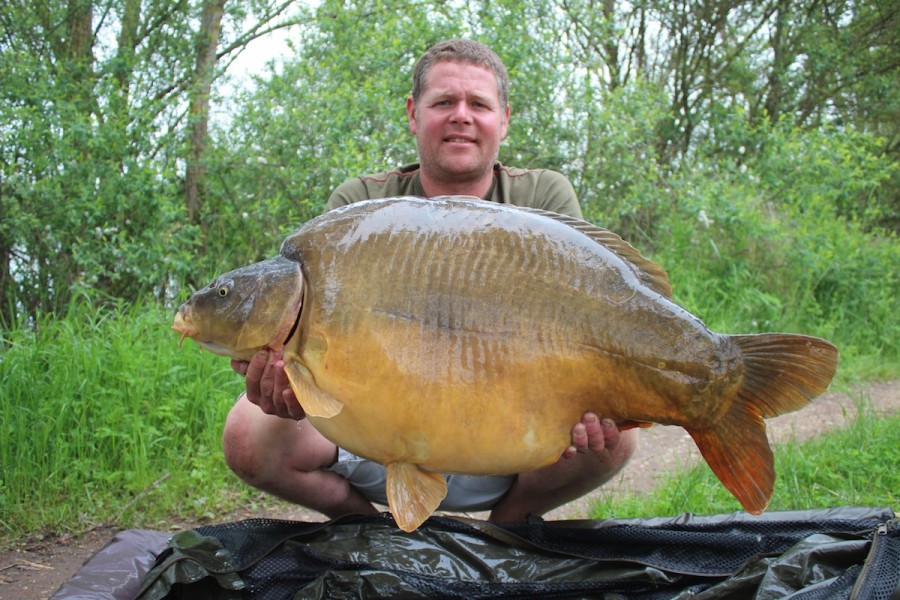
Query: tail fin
(782, 373)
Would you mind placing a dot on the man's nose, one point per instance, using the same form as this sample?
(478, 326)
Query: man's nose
(461, 113)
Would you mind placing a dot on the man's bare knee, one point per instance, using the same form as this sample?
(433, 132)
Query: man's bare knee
(269, 452)
(243, 452)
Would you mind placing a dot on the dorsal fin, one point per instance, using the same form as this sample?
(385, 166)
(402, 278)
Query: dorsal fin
(650, 274)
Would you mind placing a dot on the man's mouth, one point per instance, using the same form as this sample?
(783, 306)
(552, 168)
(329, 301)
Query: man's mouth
(455, 139)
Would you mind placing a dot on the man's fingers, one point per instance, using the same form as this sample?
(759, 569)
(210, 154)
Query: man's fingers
(293, 407)
(267, 382)
(279, 377)
(284, 391)
(255, 369)
(595, 432)
(268, 386)
(579, 436)
(610, 434)
(592, 434)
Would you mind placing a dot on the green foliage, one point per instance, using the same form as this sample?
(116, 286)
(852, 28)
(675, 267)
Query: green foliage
(85, 200)
(92, 150)
(621, 178)
(100, 413)
(95, 140)
(773, 242)
(849, 467)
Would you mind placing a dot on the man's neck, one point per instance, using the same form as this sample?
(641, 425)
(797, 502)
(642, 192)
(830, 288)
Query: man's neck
(478, 188)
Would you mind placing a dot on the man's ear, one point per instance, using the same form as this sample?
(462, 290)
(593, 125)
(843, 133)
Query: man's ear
(411, 114)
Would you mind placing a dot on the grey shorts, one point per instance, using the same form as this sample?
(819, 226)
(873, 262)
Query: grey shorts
(464, 492)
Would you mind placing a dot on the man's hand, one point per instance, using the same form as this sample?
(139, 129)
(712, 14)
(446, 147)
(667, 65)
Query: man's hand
(592, 434)
(268, 386)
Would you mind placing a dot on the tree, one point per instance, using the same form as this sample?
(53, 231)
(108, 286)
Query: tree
(102, 104)
(115, 178)
(207, 42)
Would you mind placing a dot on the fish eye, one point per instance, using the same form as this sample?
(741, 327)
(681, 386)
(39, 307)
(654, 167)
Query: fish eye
(223, 291)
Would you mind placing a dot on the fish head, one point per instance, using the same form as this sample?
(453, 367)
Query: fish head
(246, 310)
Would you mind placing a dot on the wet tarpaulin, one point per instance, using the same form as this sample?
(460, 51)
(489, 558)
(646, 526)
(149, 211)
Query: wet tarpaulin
(839, 553)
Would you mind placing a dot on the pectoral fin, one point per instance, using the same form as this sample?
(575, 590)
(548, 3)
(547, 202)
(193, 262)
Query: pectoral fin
(413, 494)
(315, 401)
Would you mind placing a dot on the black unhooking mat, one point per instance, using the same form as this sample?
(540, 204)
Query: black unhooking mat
(840, 553)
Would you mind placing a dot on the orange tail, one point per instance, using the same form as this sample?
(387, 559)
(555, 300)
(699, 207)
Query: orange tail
(783, 372)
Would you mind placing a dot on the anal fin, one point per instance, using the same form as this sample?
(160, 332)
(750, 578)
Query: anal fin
(413, 494)
(738, 452)
(316, 402)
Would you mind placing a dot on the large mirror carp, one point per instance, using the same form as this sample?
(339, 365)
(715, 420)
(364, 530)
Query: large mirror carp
(451, 335)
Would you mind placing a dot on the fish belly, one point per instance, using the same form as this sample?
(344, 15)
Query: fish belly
(458, 404)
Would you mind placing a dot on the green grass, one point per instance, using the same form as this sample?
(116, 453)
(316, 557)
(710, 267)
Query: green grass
(855, 466)
(103, 419)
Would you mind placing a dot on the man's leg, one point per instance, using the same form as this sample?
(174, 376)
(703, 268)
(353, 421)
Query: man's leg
(288, 459)
(602, 452)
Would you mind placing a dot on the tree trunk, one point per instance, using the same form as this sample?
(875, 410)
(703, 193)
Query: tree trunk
(780, 63)
(7, 286)
(128, 38)
(611, 45)
(207, 41)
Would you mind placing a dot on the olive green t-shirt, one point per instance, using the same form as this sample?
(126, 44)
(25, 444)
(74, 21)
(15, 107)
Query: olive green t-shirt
(536, 188)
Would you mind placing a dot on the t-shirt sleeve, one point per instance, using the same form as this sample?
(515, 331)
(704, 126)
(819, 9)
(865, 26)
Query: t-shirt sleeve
(350, 191)
(555, 193)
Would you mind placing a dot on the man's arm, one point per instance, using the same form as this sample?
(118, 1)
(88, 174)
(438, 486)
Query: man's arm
(554, 192)
(352, 190)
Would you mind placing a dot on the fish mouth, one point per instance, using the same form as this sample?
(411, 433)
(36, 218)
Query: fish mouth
(184, 325)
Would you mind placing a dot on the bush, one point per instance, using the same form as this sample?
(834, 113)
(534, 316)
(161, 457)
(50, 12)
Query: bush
(101, 412)
(770, 242)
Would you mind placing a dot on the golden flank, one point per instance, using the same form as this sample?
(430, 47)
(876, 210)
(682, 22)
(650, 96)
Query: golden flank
(451, 335)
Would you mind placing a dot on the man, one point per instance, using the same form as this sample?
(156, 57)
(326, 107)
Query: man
(458, 112)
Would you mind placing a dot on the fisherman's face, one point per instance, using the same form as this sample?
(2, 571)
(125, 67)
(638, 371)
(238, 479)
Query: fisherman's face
(458, 122)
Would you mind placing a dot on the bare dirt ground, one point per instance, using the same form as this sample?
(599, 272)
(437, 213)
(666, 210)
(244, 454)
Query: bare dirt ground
(35, 568)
